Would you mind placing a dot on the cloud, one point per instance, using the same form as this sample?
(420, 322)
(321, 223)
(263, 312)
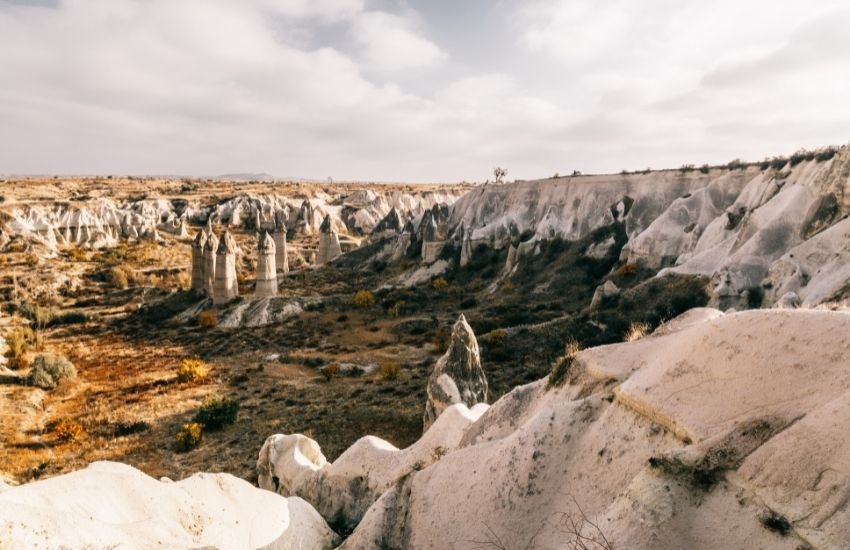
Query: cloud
(390, 42)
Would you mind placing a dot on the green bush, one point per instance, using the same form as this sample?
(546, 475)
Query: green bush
(216, 412)
(48, 371)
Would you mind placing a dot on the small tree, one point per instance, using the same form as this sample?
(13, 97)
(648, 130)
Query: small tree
(499, 174)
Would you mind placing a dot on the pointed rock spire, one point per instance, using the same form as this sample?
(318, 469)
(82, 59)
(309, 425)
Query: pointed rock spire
(266, 271)
(457, 376)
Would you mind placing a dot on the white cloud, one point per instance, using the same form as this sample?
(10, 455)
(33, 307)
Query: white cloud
(391, 42)
(215, 86)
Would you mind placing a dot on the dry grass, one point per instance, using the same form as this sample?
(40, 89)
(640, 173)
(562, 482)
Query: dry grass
(363, 298)
(389, 371)
(208, 319)
(636, 332)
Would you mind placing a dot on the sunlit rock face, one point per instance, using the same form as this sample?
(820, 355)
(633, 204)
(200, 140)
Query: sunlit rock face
(266, 285)
(457, 376)
(225, 287)
(329, 248)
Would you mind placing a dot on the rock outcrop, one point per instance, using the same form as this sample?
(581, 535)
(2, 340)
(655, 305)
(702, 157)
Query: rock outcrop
(198, 271)
(225, 287)
(342, 491)
(457, 376)
(718, 431)
(329, 248)
(110, 505)
(266, 285)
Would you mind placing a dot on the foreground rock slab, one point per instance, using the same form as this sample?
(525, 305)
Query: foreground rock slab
(110, 505)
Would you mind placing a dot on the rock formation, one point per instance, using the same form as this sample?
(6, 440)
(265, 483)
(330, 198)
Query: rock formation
(667, 442)
(329, 248)
(111, 505)
(603, 291)
(198, 278)
(225, 287)
(293, 465)
(466, 246)
(266, 269)
(279, 236)
(210, 249)
(457, 376)
(432, 232)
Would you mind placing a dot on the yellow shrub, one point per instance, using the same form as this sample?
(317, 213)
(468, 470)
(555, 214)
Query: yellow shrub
(625, 270)
(191, 370)
(67, 431)
(78, 255)
(439, 284)
(497, 338)
(364, 298)
(189, 436)
(330, 372)
(208, 319)
(389, 371)
(508, 286)
(19, 342)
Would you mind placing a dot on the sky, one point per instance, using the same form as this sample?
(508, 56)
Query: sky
(415, 90)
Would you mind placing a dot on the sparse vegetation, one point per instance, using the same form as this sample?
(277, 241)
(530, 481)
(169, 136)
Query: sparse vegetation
(48, 371)
(389, 371)
(364, 298)
(330, 372)
(497, 338)
(67, 431)
(562, 367)
(19, 342)
(636, 332)
(192, 370)
(216, 412)
(439, 284)
(189, 437)
(208, 319)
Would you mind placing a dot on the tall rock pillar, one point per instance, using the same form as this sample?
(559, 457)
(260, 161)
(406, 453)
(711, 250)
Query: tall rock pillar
(225, 287)
(198, 261)
(328, 242)
(266, 271)
(210, 248)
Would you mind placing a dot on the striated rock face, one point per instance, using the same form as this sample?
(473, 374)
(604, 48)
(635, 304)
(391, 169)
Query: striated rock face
(266, 269)
(111, 505)
(744, 229)
(457, 376)
(342, 492)
(667, 442)
(329, 248)
(225, 287)
(198, 261)
(210, 248)
(432, 232)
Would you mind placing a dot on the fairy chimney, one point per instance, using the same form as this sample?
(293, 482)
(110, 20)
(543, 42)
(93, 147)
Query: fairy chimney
(281, 259)
(266, 272)
(328, 242)
(225, 287)
(210, 248)
(198, 261)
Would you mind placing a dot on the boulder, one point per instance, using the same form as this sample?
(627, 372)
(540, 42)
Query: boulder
(606, 290)
(457, 376)
(109, 505)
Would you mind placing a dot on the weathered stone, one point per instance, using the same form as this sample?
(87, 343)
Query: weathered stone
(328, 242)
(457, 376)
(198, 261)
(266, 271)
(279, 236)
(606, 290)
(210, 248)
(225, 287)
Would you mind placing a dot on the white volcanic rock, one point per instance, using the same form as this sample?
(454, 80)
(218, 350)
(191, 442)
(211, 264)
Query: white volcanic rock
(605, 290)
(344, 490)
(198, 244)
(256, 312)
(110, 505)
(210, 248)
(638, 446)
(329, 248)
(279, 235)
(225, 287)
(816, 270)
(457, 376)
(266, 285)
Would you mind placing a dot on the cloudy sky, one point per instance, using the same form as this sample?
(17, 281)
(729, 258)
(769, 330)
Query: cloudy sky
(415, 90)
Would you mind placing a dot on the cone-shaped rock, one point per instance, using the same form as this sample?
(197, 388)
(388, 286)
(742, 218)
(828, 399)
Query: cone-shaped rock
(266, 271)
(328, 242)
(391, 223)
(210, 248)
(225, 287)
(279, 236)
(457, 377)
(198, 261)
(465, 247)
